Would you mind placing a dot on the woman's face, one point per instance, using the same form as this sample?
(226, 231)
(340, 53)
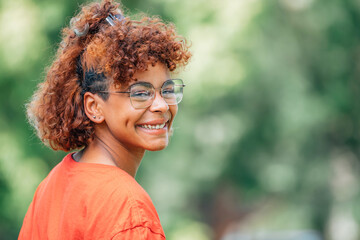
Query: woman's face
(136, 127)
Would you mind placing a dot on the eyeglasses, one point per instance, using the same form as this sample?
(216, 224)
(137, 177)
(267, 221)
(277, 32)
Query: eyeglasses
(142, 94)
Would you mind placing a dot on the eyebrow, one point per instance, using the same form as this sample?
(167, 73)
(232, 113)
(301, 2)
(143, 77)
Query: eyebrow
(138, 82)
(142, 81)
(129, 85)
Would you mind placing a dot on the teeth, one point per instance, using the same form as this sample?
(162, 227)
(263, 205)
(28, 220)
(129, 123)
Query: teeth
(158, 126)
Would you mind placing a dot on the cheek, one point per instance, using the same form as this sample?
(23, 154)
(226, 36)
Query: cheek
(122, 116)
(132, 117)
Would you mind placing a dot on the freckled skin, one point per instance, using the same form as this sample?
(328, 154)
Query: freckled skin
(119, 140)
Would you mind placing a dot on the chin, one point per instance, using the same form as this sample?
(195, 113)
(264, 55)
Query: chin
(157, 147)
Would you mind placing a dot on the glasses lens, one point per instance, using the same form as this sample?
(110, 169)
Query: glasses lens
(141, 95)
(172, 91)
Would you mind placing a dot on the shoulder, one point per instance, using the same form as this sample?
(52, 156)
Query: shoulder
(124, 193)
(117, 201)
(114, 184)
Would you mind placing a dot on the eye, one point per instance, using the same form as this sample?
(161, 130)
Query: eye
(168, 90)
(141, 94)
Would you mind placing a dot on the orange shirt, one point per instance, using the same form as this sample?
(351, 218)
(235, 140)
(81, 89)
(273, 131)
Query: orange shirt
(90, 201)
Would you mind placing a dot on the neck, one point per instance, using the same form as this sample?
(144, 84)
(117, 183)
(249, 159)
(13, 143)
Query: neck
(103, 151)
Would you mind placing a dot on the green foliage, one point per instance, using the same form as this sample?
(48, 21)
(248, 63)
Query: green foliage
(267, 136)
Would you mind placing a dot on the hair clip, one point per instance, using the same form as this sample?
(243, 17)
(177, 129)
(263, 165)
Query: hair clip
(111, 18)
(82, 33)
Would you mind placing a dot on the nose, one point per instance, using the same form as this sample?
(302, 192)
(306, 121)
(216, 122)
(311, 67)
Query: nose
(159, 104)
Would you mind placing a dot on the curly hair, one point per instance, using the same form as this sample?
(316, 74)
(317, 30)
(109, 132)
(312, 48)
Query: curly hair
(92, 55)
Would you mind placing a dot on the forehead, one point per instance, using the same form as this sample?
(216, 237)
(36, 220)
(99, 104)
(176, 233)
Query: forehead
(158, 72)
(156, 75)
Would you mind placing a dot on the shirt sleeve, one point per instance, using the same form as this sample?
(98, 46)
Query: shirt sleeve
(139, 233)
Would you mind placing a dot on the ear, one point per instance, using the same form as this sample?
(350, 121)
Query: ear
(92, 107)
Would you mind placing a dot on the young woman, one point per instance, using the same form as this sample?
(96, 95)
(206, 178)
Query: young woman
(109, 94)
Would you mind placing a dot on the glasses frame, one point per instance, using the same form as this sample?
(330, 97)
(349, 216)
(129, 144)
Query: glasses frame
(153, 97)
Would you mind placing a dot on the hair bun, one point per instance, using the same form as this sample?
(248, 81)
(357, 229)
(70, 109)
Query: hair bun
(92, 15)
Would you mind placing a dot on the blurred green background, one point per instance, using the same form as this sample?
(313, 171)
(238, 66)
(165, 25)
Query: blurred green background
(267, 139)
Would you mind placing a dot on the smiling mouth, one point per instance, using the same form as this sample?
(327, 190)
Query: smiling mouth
(154, 126)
